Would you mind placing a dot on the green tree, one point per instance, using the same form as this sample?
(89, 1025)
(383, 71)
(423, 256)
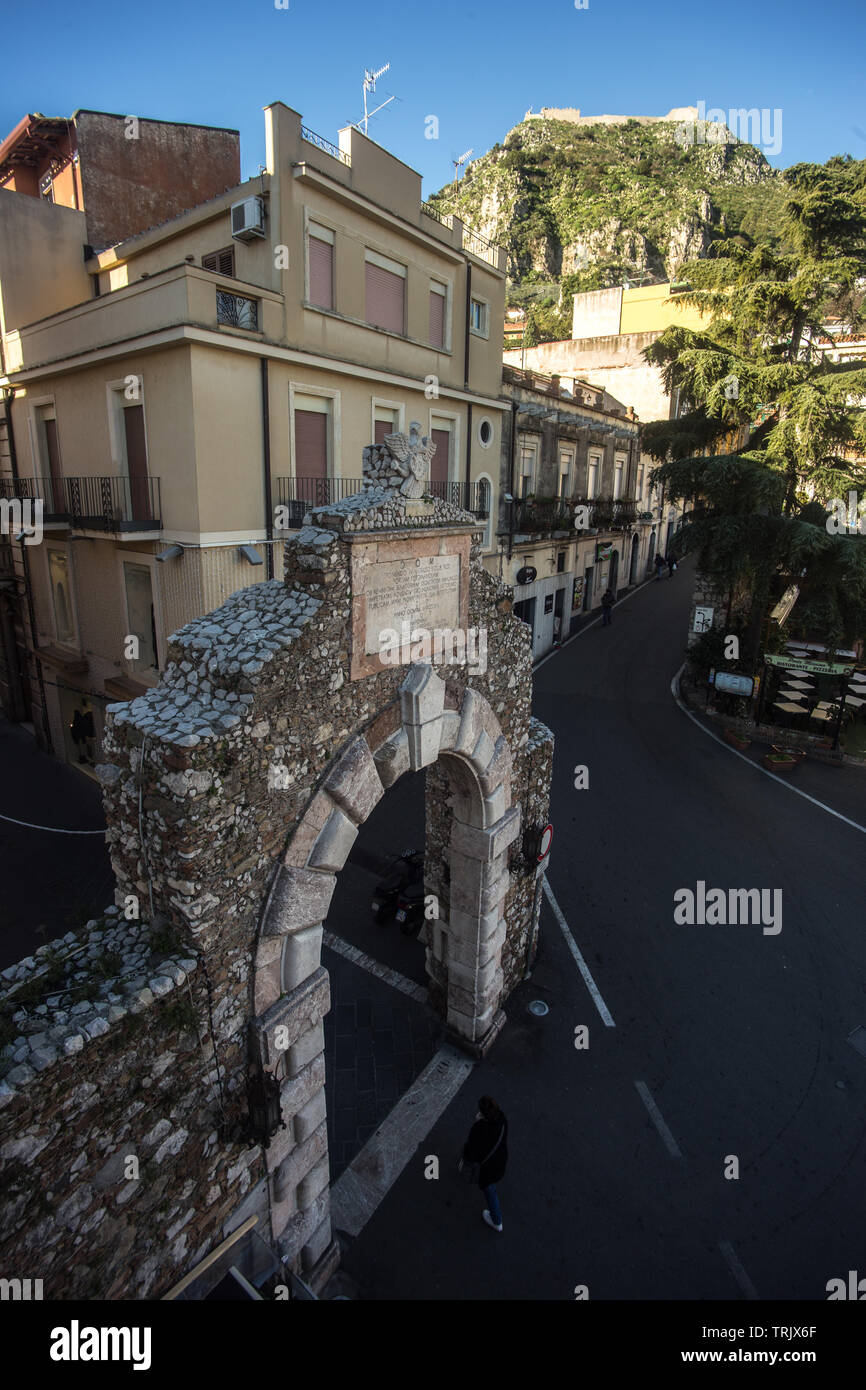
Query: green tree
(784, 426)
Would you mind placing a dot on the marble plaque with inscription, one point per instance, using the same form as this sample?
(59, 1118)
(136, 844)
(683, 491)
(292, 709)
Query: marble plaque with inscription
(424, 592)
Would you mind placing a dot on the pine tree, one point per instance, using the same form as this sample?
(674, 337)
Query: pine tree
(775, 430)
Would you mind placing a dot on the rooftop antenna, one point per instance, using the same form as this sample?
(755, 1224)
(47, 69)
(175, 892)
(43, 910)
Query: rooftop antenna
(370, 80)
(467, 154)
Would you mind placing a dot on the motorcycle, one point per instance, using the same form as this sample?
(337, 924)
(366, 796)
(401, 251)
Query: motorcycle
(404, 873)
(410, 906)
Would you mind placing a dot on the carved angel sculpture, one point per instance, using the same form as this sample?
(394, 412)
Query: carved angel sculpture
(412, 454)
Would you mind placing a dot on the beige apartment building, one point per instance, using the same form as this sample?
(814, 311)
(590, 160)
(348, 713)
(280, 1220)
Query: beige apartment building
(180, 399)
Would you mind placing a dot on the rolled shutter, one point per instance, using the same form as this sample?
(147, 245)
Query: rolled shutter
(437, 319)
(321, 273)
(311, 446)
(386, 298)
(441, 458)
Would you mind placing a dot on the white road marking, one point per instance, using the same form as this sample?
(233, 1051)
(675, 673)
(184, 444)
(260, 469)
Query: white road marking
(372, 1173)
(581, 963)
(655, 1115)
(382, 972)
(733, 1263)
(675, 691)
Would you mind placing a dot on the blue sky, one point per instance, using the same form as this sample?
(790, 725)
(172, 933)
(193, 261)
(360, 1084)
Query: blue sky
(477, 66)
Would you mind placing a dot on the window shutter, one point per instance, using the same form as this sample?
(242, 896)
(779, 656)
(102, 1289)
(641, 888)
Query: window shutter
(381, 428)
(441, 458)
(223, 262)
(321, 273)
(437, 319)
(311, 444)
(386, 296)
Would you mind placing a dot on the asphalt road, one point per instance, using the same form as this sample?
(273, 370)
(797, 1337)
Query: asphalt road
(738, 1038)
(52, 882)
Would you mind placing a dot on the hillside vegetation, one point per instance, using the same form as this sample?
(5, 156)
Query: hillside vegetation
(583, 207)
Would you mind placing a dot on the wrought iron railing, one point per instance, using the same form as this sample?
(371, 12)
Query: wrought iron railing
(329, 148)
(446, 218)
(543, 514)
(100, 503)
(479, 246)
(300, 495)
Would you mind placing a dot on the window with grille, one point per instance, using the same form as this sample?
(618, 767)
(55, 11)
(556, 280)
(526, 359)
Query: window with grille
(223, 262)
(236, 311)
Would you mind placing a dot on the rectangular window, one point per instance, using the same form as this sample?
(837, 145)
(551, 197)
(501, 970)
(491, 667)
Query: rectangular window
(236, 311)
(592, 475)
(440, 465)
(312, 418)
(140, 617)
(438, 300)
(528, 454)
(479, 317)
(223, 262)
(48, 449)
(386, 293)
(618, 473)
(61, 596)
(566, 470)
(320, 253)
(385, 421)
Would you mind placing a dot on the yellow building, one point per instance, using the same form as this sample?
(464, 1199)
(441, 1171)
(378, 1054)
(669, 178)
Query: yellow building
(181, 399)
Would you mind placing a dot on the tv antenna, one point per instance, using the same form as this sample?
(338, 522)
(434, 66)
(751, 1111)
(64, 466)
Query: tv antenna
(370, 80)
(467, 154)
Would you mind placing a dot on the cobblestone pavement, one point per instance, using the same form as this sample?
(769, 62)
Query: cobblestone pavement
(377, 1040)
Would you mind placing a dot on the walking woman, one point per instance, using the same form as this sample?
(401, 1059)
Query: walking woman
(487, 1147)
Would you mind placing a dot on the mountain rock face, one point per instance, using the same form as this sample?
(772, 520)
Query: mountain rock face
(584, 203)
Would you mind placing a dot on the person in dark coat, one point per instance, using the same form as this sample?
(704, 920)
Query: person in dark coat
(672, 564)
(487, 1145)
(660, 564)
(608, 599)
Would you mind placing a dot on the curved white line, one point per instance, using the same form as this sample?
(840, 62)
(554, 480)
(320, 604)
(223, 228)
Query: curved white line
(675, 691)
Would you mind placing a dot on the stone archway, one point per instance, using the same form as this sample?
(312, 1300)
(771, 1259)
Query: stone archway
(464, 955)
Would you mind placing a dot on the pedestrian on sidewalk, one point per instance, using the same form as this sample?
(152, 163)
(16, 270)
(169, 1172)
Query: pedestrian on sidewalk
(672, 564)
(608, 599)
(486, 1149)
(660, 564)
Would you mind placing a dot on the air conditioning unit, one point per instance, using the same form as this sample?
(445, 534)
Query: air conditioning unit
(248, 219)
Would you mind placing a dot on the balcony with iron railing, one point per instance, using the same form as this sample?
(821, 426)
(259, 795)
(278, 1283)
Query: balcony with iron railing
(112, 504)
(545, 515)
(299, 495)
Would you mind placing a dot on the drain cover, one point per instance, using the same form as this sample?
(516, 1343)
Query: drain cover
(857, 1039)
(539, 1008)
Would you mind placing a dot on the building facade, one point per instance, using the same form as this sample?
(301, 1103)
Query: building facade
(574, 513)
(194, 389)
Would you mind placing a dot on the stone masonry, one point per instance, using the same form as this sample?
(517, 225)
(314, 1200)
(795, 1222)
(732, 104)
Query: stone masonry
(234, 792)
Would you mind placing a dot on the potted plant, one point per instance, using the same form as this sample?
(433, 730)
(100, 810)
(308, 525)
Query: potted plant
(780, 760)
(739, 741)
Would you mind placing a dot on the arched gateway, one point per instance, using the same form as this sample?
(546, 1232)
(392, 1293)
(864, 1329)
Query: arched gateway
(239, 785)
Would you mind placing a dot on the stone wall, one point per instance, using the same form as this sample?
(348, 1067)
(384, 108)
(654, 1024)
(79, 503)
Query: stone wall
(233, 792)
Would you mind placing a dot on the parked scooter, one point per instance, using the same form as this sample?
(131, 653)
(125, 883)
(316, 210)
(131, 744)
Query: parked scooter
(410, 905)
(404, 872)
